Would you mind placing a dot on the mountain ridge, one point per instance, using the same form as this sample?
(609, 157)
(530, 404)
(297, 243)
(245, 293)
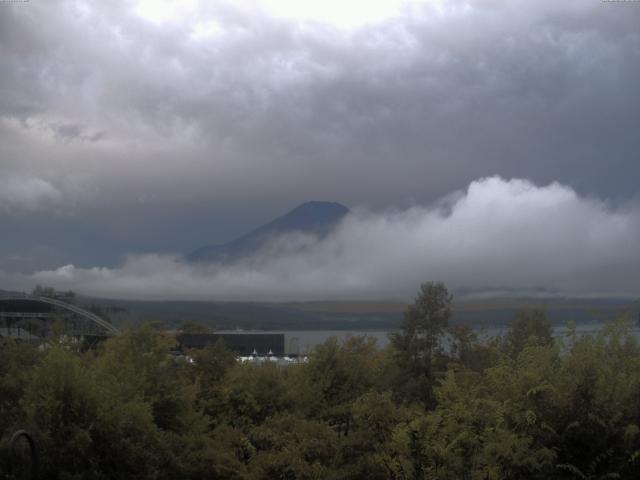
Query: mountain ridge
(314, 217)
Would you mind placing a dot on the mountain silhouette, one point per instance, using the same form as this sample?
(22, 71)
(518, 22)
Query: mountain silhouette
(315, 218)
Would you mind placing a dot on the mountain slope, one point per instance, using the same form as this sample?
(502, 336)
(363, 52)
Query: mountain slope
(317, 218)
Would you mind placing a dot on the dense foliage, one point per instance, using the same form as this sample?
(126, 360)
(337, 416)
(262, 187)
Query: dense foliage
(520, 406)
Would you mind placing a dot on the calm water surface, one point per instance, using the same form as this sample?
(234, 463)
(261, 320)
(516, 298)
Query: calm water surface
(304, 341)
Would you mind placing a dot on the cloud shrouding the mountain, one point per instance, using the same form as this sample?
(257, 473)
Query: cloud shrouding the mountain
(165, 133)
(497, 233)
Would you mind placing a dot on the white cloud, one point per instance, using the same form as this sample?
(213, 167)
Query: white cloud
(23, 192)
(497, 234)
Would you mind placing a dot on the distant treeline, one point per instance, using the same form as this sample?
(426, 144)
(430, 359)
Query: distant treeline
(520, 406)
(347, 315)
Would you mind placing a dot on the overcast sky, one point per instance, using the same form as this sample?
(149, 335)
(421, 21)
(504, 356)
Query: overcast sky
(132, 131)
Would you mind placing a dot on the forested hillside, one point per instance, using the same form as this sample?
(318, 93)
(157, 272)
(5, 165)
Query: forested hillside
(522, 406)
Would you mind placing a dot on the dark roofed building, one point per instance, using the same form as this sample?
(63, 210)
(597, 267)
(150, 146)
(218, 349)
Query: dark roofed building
(24, 305)
(241, 343)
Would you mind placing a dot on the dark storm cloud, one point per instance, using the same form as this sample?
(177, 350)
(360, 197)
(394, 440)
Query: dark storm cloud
(165, 136)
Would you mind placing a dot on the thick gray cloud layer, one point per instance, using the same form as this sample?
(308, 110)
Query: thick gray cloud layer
(497, 234)
(26, 193)
(135, 134)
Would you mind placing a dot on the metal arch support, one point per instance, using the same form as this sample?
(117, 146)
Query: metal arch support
(32, 446)
(67, 306)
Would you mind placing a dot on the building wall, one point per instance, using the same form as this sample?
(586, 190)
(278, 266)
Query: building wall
(241, 343)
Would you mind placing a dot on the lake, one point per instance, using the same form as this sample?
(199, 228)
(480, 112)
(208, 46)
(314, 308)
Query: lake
(304, 341)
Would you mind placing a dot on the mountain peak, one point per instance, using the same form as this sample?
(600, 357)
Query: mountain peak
(321, 204)
(311, 213)
(313, 217)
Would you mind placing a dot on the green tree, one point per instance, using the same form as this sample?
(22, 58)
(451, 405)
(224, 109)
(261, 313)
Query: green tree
(86, 424)
(211, 365)
(189, 326)
(337, 374)
(17, 359)
(254, 393)
(40, 291)
(467, 350)
(530, 327)
(290, 447)
(418, 342)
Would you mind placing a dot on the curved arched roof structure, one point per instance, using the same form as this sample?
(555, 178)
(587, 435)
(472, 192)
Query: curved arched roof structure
(110, 329)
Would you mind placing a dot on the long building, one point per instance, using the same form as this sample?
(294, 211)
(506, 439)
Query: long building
(240, 343)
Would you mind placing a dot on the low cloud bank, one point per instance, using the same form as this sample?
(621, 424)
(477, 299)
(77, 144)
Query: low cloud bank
(497, 234)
